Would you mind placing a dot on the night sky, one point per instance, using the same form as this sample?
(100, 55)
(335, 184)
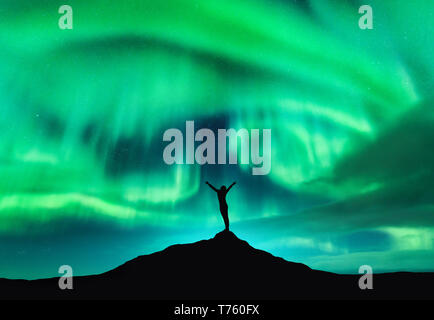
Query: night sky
(83, 112)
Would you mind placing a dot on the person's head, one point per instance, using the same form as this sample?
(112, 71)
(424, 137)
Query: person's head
(223, 188)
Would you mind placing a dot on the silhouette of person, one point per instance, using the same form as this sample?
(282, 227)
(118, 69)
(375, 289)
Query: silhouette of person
(221, 194)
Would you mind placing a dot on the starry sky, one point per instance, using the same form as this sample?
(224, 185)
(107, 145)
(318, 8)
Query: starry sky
(83, 112)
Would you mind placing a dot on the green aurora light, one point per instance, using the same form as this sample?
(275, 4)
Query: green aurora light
(83, 111)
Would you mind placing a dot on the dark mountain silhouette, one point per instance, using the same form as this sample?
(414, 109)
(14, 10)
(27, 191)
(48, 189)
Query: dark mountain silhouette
(223, 267)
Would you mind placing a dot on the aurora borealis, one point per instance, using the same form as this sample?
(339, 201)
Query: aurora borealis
(83, 113)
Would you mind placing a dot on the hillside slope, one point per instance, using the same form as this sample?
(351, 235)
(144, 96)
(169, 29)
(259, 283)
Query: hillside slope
(223, 267)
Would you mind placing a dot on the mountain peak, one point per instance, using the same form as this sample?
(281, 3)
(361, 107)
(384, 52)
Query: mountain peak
(228, 238)
(223, 267)
(226, 235)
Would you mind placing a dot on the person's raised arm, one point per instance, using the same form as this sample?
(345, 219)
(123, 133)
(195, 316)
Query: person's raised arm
(211, 186)
(231, 186)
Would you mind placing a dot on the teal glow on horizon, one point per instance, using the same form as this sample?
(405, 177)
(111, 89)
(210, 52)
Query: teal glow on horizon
(83, 112)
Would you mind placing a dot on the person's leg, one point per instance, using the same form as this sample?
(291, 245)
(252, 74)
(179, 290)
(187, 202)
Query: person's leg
(224, 212)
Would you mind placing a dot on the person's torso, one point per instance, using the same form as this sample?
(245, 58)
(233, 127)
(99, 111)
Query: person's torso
(222, 197)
